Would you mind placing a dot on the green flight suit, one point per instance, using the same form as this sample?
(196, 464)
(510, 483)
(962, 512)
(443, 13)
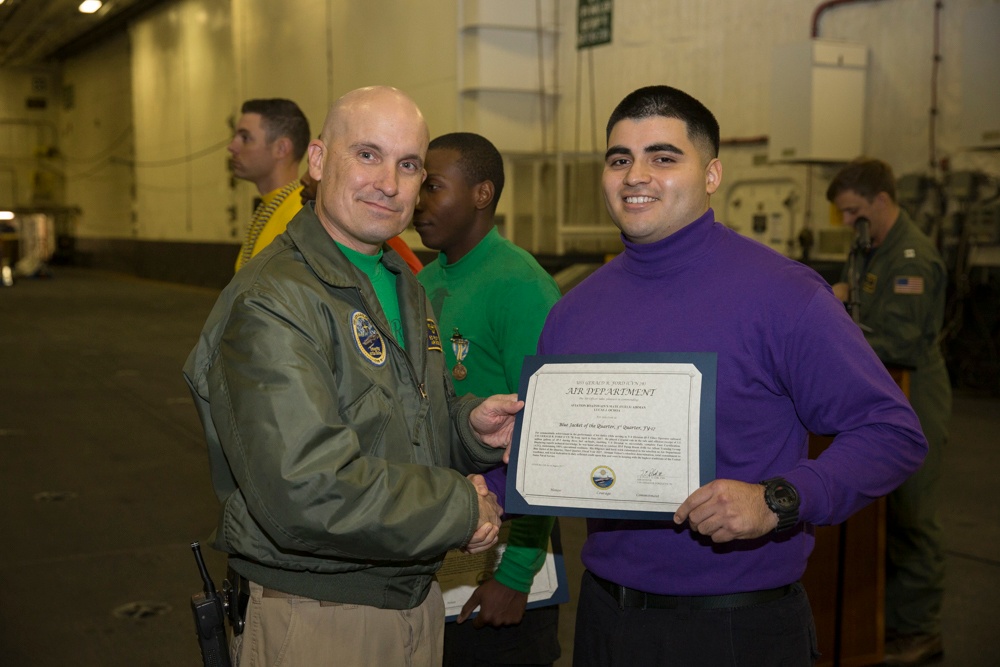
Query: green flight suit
(902, 300)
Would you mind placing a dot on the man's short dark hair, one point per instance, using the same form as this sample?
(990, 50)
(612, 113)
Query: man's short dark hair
(865, 176)
(282, 118)
(670, 103)
(479, 160)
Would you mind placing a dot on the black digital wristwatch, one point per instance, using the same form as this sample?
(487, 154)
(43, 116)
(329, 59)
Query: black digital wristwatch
(783, 499)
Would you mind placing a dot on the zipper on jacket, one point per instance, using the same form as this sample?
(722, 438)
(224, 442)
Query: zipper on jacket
(389, 337)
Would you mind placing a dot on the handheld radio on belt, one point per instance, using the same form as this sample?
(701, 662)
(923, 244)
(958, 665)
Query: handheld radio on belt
(209, 618)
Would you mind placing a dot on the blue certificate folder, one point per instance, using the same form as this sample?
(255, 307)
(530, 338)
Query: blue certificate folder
(705, 362)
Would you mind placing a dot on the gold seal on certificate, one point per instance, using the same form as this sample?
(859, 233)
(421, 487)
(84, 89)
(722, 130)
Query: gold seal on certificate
(603, 477)
(460, 346)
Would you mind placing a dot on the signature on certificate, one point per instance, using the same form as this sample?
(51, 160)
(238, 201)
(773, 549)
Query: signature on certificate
(651, 473)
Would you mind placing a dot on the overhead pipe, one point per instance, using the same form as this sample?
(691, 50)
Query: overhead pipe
(829, 4)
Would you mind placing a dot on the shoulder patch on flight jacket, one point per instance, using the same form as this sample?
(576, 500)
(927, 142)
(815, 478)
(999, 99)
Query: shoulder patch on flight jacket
(908, 285)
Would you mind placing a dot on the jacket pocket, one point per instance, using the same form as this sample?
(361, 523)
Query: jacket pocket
(369, 415)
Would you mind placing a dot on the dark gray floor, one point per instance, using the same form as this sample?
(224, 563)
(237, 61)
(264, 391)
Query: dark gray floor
(104, 484)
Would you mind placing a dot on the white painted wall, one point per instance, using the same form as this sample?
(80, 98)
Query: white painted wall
(183, 87)
(97, 137)
(192, 63)
(410, 45)
(26, 133)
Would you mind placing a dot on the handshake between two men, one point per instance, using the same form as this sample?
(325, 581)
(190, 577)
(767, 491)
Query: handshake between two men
(493, 423)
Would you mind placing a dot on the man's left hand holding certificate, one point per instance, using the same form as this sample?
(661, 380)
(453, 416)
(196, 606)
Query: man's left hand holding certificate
(628, 436)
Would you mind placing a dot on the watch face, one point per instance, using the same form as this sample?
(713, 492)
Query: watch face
(783, 498)
(783, 495)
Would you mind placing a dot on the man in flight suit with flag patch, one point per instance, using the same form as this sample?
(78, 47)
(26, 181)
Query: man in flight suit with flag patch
(900, 299)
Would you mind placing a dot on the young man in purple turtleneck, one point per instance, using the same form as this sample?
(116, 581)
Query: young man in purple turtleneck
(718, 585)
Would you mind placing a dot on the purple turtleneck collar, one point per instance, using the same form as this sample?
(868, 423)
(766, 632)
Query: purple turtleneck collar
(685, 245)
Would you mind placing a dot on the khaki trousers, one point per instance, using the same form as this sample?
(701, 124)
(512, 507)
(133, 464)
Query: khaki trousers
(291, 631)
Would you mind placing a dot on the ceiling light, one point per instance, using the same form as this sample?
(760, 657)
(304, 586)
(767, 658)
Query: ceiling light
(6, 215)
(90, 6)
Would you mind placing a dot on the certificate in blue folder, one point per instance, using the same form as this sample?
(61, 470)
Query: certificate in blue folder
(612, 436)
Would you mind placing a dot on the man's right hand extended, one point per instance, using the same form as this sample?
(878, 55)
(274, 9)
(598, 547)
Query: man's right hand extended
(489, 518)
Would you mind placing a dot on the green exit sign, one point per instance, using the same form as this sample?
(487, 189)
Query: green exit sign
(593, 23)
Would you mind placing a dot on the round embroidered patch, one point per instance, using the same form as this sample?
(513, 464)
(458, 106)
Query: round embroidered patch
(368, 339)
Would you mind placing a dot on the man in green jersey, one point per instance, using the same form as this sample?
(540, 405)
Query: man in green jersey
(491, 298)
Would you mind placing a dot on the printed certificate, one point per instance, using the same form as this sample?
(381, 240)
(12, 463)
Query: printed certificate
(628, 436)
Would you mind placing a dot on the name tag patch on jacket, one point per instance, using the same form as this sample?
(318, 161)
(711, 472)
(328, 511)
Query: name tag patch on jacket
(433, 337)
(368, 339)
(908, 285)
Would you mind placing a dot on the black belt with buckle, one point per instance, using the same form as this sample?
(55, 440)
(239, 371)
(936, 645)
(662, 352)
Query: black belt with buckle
(630, 597)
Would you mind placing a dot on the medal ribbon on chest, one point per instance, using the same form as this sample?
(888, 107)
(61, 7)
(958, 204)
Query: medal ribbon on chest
(460, 346)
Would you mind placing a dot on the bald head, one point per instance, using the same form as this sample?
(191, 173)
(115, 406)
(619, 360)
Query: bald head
(366, 101)
(369, 160)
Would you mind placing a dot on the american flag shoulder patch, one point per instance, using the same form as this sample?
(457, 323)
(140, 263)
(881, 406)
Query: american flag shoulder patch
(908, 285)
